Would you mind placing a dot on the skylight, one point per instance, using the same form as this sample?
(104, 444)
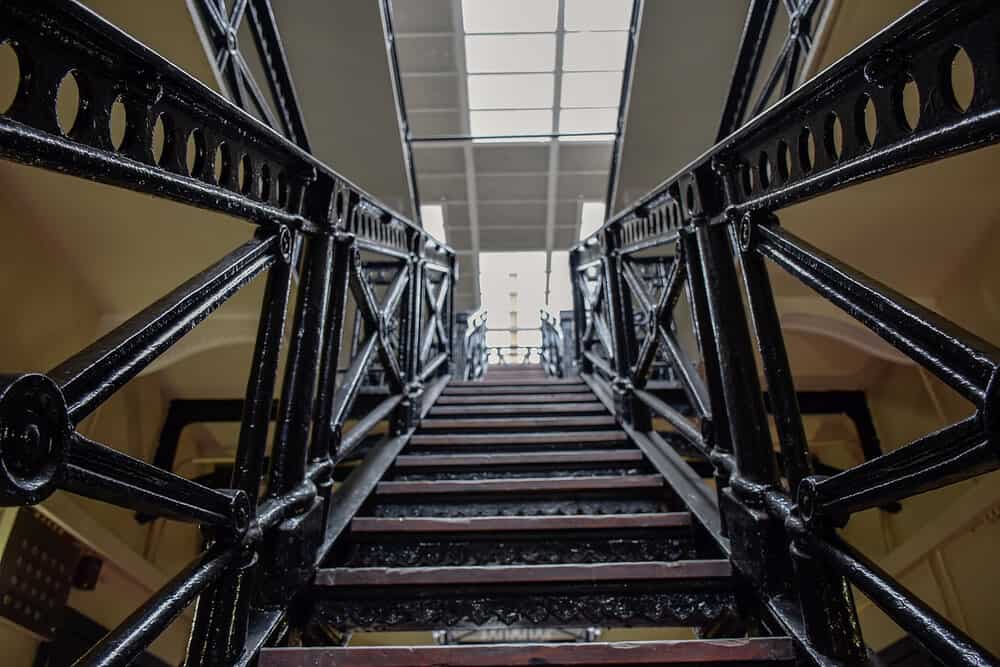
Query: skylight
(432, 216)
(594, 51)
(510, 53)
(591, 89)
(511, 91)
(597, 14)
(509, 15)
(587, 120)
(512, 122)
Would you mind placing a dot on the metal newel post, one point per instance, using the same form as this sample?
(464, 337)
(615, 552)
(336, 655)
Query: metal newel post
(579, 313)
(411, 319)
(828, 610)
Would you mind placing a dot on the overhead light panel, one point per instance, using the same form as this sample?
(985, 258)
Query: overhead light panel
(510, 53)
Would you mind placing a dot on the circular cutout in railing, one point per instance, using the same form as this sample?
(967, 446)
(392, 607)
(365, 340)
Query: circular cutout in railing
(10, 76)
(68, 102)
(961, 79)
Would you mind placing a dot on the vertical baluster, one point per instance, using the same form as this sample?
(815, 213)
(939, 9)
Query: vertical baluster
(222, 612)
(827, 604)
(579, 313)
(757, 539)
(289, 552)
(715, 428)
(411, 319)
(622, 332)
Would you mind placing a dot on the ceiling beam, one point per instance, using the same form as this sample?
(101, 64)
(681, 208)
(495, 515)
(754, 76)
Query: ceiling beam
(553, 177)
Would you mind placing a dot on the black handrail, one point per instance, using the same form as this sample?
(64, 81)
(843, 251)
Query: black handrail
(719, 212)
(260, 551)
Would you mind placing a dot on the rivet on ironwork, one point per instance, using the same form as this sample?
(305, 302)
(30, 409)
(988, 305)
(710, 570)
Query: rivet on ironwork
(285, 244)
(807, 498)
(746, 233)
(34, 437)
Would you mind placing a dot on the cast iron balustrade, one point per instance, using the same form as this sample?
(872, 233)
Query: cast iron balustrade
(476, 352)
(261, 549)
(721, 209)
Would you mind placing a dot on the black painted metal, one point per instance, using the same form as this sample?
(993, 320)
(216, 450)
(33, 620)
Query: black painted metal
(260, 552)
(552, 346)
(721, 209)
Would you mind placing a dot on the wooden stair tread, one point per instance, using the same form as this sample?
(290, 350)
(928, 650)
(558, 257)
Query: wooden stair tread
(659, 652)
(516, 422)
(467, 390)
(517, 409)
(523, 485)
(513, 380)
(480, 575)
(517, 438)
(526, 458)
(505, 524)
(515, 399)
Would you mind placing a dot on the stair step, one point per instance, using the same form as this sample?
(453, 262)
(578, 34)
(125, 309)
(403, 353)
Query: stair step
(530, 485)
(518, 409)
(516, 422)
(516, 439)
(478, 389)
(520, 540)
(486, 575)
(764, 651)
(515, 399)
(543, 382)
(504, 524)
(407, 461)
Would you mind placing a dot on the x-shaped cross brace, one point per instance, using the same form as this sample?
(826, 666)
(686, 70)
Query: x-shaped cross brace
(376, 318)
(659, 316)
(434, 329)
(596, 326)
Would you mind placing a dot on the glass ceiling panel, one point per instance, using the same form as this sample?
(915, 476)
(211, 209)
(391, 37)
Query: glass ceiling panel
(517, 121)
(587, 120)
(594, 51)
(597, 14)
(511, 91)
(510, 53)
(509, 15)
(591, 89)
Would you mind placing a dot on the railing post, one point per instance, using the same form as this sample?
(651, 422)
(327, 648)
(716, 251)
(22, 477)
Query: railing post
(569, 355)
(627, 407)
(408, 412)
(459, 329)
(583, 364)
(828, 610)
(715, 427)
(223, 610)
(757, 539)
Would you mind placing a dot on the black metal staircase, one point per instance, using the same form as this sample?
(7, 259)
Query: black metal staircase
(528, 521)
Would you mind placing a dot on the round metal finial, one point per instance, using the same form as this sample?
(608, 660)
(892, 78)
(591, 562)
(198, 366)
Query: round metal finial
(34, 437)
